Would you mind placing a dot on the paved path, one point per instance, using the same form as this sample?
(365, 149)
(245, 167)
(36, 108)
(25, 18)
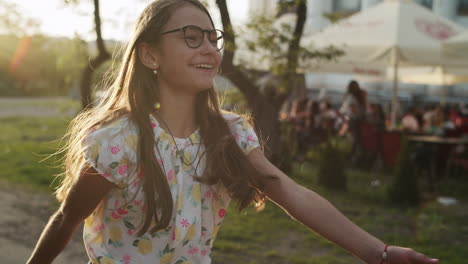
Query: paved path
(22, 218)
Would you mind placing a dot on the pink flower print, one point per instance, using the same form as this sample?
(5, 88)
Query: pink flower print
(193, 251)
(222, 212)
(203, 252)
(123, 169)
(250, 138)
(114, 149)
(153, 124)
(208, 194)
(130, 232)
(137, 202)
(135, 183)
(122, 211)
(170, 175)
(184, 223)
(99, 228)
(116, 216)
(203, 234)
(106, 175)
(127, 259)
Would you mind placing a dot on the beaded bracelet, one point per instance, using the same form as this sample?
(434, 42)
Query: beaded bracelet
(384, 255)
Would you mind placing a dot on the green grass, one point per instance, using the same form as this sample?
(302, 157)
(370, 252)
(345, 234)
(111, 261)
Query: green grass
(24, 144)
(270, 236)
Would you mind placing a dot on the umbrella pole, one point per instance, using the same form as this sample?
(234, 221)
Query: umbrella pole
(443, 100)
(393, 115)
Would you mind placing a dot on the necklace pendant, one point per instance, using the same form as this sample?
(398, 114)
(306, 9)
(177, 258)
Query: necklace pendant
(178, 154)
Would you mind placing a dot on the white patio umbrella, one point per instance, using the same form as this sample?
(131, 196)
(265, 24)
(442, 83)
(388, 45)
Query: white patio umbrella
(456, 46)
(441, 76)
(391, 35)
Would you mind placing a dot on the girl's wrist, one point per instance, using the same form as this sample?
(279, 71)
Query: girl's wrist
(384, 255)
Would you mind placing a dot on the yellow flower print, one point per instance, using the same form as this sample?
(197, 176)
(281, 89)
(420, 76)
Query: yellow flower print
(191, 232)
(188, 159)
(165, 137)
(196, 193)
(99, 239)
(145, 246)
(131, 141)
(177, 233)
(167, 258)
(194, 139)
(106, 260)
(180, 201)
(115, 233)
(245, 124)
(88, 221)
(187, 262)
(215, 231)
(94, 151)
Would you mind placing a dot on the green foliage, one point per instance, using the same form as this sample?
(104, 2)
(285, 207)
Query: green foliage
(332, 166)
(270, 38)
(50, 66)
(14, 21)
(404, 189)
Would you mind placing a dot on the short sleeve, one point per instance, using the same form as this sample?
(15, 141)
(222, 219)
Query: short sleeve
(111, 151)
(243, 132)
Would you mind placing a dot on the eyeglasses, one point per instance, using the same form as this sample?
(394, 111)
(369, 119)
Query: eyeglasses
(194, 36)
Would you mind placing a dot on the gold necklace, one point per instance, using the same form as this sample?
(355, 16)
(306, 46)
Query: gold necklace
(178, 151)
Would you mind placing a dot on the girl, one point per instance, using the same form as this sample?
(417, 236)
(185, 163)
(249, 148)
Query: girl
(153, 183)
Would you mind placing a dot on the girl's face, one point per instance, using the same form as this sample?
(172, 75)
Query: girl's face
(181, 67)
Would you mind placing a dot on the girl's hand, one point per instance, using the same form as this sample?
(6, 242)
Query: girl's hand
(399, 255)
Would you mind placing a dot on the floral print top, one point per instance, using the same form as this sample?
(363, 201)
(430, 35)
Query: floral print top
(199, 209)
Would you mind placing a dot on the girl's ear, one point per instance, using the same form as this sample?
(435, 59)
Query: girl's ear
(148, 56)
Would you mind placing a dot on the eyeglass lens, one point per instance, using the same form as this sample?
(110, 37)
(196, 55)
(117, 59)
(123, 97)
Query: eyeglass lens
(194, 37)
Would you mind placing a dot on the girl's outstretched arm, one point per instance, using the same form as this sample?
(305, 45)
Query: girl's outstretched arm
(321, 216)
(81, 201)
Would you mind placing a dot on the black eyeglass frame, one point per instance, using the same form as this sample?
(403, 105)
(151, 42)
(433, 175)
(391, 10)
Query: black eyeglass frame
(208, 31)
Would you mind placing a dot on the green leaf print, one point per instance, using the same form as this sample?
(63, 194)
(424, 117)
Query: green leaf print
(244, 145)
(97, 159)
(166, 249)
(128, 224)
(114, 164)
(208, 242)
(135, 243)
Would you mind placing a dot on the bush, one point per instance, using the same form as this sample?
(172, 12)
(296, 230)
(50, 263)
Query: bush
(331, 172)
(404, 189)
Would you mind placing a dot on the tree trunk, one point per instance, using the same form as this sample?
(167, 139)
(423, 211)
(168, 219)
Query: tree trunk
(265, 107)
(103, 55)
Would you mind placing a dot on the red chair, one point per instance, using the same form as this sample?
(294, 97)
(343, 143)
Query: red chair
(369, 137)
(391, 145)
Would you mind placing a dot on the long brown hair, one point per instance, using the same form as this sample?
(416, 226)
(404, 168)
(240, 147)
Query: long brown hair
(133, 92)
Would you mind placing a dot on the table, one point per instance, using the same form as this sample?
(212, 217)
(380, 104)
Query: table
(435, 142)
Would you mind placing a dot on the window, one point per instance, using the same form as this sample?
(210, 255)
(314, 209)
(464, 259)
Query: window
(346, 6)
(462, 9)
(426, 3)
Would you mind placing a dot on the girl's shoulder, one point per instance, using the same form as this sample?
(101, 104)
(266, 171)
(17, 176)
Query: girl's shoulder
(120, 127)
(233, 118)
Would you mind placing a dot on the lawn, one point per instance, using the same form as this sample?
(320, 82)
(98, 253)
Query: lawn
(270, 236)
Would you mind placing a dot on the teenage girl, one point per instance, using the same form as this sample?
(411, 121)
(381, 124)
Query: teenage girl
(151, 170)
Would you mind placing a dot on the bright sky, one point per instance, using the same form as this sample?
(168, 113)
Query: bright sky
(118, 16)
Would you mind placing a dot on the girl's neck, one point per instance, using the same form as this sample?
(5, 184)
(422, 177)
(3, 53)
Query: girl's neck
(178, 113)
